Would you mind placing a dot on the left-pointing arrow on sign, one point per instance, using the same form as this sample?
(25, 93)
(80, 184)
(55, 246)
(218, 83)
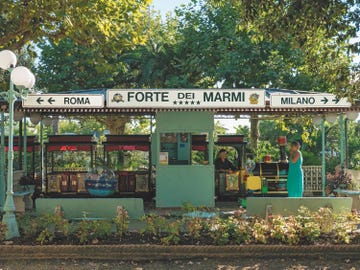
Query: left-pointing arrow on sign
(39, 100)
(51, 100)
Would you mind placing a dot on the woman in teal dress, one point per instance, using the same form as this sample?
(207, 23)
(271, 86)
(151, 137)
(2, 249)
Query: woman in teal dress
(295, 183)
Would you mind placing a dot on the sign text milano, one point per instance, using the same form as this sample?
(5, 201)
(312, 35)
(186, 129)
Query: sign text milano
(311, 100)
(174, 98)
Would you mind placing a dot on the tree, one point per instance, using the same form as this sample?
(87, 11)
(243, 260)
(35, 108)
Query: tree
(320, 29)
(66, 66)
(285, 44)
(115, 24)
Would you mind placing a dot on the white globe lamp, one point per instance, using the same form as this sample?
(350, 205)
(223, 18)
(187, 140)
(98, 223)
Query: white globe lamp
(352, 116)
(35, 118)
(21, 76)
(317, 119)
(331, 117)
(7, 59)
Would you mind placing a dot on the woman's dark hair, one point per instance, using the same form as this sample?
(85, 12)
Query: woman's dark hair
(295, 143)
(222, 151)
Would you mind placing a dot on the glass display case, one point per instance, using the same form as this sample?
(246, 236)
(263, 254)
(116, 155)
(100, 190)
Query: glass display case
(129, 157)
(67, 161)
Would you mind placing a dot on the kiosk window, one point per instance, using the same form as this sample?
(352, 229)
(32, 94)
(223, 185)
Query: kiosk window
(183, 149)
(175, 148)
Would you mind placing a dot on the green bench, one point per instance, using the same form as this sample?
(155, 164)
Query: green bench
(98, 208)
(261, 206)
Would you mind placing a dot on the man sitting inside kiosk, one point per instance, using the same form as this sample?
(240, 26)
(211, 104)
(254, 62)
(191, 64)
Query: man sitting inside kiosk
(222, 163)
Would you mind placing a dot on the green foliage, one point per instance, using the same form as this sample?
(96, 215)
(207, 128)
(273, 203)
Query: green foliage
(311, 230)
(195, 227)
(121, 221)
(187, 207)
(266, 148)
(172, 233)
(66, 66)
(354, 143)
(218, 231)
(45, 228)
(285, 230)
(260, 231)
(92, 231)
(113, 24)
(154, 224)
(306, 227)
(337, 179)
(320, 30)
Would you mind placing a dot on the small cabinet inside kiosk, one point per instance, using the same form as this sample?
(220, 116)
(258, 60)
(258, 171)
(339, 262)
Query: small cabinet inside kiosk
(175, 148)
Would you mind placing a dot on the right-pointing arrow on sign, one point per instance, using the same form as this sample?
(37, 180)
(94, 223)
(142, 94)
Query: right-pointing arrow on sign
(336, 100)
(324, 100)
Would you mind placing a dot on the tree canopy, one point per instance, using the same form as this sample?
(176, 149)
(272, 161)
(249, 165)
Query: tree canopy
(287, 44)
(114, 24)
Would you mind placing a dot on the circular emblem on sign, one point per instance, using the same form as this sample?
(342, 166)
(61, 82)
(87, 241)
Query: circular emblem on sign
(254, 99)
(117, 98)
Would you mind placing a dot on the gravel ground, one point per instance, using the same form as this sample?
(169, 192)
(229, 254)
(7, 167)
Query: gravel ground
(201, 264)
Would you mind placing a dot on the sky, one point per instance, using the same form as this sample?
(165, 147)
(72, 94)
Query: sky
(164, 6)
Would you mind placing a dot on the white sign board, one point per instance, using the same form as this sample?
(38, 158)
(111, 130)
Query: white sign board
(64, 101)
(307, 101)
(185, 98)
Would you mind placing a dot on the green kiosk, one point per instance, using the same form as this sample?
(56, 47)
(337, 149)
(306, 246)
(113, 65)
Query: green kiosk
(178, 179)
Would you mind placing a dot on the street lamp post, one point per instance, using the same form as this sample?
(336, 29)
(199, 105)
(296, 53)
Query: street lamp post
(24, 80)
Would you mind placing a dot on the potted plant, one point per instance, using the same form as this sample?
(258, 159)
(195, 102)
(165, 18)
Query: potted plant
(338, 180)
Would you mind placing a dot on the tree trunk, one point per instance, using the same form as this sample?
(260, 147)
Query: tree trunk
(254, 132)
(116, 124)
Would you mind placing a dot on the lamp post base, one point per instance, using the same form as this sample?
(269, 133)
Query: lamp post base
(9, 219)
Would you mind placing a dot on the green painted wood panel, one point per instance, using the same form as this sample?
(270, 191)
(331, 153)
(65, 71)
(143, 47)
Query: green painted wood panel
(184, 121)
(180, 184)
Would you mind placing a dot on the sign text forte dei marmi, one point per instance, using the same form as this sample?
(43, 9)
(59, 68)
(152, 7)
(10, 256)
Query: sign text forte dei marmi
(185, 98)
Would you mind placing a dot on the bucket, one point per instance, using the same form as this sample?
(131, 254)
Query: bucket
(243, 203)
(282, 140)
(267, 159)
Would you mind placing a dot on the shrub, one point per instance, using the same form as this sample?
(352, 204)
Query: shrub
(337, 179)
(91, 231)
(218, 231)
(121, 221)
(160, 228)
(172, 233)
(154, 224)
(239, 230)
(260, 231)
(45, 228)
(51, 226)
(285, 230)
(310, 229)
(194, 227)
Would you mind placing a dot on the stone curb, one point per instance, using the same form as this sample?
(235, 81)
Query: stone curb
(158, 252)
